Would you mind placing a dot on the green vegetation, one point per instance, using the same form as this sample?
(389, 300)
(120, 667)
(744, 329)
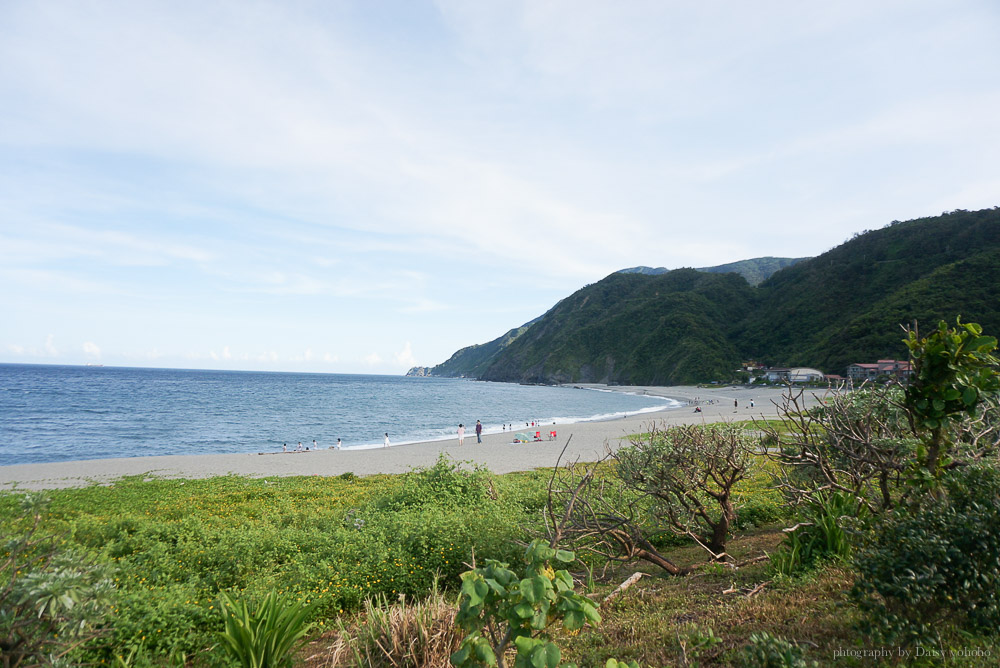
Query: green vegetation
(472, 361)
(688, 326)
(330, 543)
(889, 547)
(499, 608)
(263, 634)
(672, 327)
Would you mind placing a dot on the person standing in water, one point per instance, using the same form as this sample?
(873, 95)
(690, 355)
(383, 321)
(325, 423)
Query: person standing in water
(385, 443)
(461, 434)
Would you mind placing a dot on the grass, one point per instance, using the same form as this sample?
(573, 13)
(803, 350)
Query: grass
(368, 552)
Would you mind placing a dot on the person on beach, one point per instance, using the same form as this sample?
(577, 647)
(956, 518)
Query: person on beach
(479, 431)
(385, 443)
(284, 447)
(736, 405)
(315, 445)
(339, 444)
(751, 403)
(461, 434)
(299, 448)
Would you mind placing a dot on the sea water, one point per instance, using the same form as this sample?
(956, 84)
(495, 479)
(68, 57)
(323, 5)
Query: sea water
(54, 413)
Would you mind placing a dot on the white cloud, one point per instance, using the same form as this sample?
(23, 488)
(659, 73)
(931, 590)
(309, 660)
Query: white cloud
(90, 349)
(50, 347)
(16, 349)
(253, 166)
(405, 356)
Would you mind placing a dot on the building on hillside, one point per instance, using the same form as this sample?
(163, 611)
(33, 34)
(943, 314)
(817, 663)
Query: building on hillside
(894, 369)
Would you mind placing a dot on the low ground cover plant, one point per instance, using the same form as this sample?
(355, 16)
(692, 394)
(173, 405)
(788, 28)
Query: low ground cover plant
(176, 545)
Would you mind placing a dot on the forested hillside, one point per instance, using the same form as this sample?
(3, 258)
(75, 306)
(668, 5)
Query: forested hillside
(847, 305)
(683, 326)
(671, 326)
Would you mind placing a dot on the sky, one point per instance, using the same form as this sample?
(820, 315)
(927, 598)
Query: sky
(362, 187)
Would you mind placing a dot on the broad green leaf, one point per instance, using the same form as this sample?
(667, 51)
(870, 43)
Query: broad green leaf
(485, 653)
(970, 396)
(541, 617)
(546, 656)
(496, 586)
(563, 581)
(524, 610)
(525, 644)
(462, 655)
(574, 620)
(533, 589)
(565, 556)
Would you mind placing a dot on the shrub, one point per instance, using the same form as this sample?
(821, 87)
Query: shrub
(418, 634)
(821, 534)
(517, 610)
(444, 484)
(767, 651)
(934, 561)
(263, 634)
(52, 597)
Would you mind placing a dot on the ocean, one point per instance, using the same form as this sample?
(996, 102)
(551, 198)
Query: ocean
(52, 413)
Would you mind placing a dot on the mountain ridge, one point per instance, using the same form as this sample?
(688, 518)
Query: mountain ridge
(686, 325)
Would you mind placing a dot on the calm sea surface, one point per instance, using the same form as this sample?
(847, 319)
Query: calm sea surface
(59, 413)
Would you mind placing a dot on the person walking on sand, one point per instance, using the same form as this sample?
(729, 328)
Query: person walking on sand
(339, 444)
(385, 443)
(736, 405)
(479, 431)
(461, 434)
(284, 447)
(315, 445)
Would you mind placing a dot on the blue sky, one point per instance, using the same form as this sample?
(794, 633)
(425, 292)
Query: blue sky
(360, 187)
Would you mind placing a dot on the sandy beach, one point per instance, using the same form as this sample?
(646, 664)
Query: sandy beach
(587, 442)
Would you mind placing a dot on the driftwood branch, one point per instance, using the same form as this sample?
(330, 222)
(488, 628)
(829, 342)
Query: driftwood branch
(620, 589)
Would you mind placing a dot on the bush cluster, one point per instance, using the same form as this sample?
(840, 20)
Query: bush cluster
(936, 560)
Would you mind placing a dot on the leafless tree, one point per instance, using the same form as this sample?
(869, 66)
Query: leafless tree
(678, 479)
(591, 511)
(692, 472)
(861, 443)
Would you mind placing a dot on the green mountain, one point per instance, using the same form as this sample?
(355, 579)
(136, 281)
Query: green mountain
(847, 305)
(472, 361)
(687, 325)
(754, 271)
(668, 325)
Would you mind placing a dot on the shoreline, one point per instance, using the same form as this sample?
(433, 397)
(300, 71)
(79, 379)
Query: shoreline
(588, 441)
